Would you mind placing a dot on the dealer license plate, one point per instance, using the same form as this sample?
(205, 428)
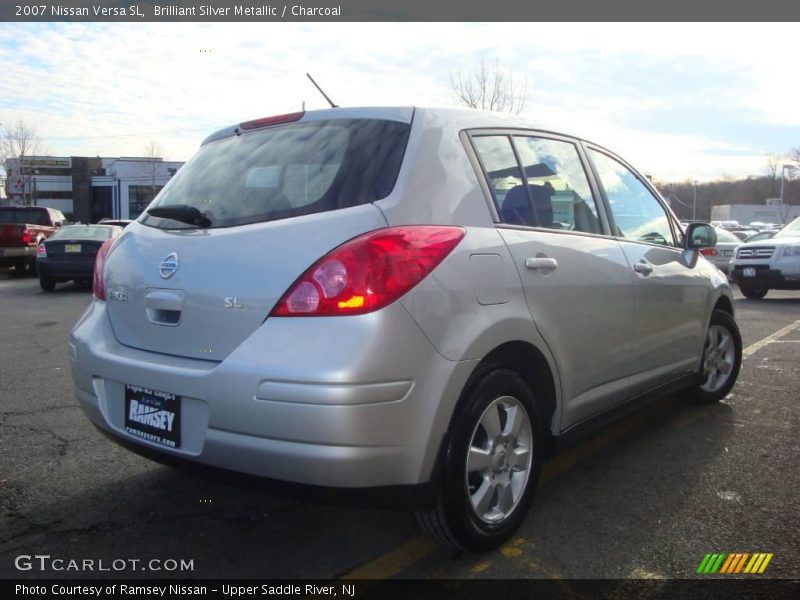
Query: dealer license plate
(152, 415)
(72, 247)
(749, 272)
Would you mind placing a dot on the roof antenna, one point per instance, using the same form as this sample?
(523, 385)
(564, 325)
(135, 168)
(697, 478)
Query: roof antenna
(321, 92)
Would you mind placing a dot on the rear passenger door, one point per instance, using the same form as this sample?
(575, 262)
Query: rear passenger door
(577, 282)
(670, 299)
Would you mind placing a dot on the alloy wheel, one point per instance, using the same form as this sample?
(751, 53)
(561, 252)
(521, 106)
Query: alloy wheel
(499, 460)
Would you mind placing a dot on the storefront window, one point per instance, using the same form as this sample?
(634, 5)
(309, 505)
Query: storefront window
(139, 196)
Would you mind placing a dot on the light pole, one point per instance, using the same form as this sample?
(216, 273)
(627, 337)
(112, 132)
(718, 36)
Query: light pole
(694, 206)
(783, 171)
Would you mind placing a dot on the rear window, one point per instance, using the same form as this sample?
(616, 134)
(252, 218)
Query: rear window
(31, 216)
(85, 232)
(287, 171)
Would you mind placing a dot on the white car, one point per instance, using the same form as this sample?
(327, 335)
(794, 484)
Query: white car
(720, 254)
(772, 264)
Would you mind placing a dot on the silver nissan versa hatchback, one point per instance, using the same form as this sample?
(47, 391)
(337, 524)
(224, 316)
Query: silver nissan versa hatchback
(408, 305)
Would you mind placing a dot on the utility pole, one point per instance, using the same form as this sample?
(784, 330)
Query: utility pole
(783, 178)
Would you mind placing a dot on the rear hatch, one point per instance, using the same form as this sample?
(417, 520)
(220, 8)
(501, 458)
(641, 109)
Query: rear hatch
(244, 218)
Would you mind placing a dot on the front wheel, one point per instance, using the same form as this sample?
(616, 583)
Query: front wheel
(492, 465)
(722, 359)
(753, 293)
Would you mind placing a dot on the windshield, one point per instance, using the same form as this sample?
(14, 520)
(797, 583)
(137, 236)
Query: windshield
(282, 172)
(85, 232)
(791, 230)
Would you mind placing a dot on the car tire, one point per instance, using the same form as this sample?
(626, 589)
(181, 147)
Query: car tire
(30, 267)
(48, 284)
(722, 359)
(753, 293)
(491, 465)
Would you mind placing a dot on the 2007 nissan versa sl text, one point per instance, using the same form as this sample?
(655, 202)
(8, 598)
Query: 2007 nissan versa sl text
(411, 303)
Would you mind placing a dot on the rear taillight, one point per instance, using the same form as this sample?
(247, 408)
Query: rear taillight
(708, 251)
(26, 236)
(98, 285)
(368, 272)
(41, 250)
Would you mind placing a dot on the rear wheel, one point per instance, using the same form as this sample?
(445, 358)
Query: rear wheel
(753, 292)
(48, 284)
(492, 465)
(722, 359)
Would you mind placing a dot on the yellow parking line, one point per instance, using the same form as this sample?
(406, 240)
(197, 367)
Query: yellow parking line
(391, 563)
(480, 567)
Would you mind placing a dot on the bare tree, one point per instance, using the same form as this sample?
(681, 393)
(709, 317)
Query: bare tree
(774, 163)
(153, 151)
(794, 156)
(490, 88)
(19, 142)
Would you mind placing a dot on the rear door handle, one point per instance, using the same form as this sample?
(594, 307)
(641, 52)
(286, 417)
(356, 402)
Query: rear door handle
(643, 268)
(534, 263)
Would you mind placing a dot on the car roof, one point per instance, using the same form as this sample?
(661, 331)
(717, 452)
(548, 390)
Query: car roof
(461, 118)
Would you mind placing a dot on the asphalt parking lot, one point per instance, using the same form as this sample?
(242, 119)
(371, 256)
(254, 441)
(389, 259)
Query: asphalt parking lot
(647, 497)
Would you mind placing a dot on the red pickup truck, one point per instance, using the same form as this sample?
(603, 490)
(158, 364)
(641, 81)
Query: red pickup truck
(21, 230)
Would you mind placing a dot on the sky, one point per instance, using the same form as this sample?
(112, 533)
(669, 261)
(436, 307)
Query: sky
(678, 101)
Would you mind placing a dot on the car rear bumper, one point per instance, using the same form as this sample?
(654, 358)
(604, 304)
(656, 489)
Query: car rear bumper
(13, 256)
(272, 410)
(66, 269)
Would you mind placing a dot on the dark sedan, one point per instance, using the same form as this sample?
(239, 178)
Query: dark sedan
(70, 252)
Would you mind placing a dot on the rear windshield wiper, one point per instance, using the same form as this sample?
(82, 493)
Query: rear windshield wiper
(181, 212)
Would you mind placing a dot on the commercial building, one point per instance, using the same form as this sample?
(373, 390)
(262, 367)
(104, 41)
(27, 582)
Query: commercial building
(87, 189)
(771, 212)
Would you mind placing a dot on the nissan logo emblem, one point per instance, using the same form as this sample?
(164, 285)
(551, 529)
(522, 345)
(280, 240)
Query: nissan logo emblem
(169, 265)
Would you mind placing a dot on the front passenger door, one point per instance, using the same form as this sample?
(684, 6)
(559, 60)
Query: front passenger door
(669, 300)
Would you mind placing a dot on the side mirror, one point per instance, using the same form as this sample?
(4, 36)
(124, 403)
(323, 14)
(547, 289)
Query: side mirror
(700, 235)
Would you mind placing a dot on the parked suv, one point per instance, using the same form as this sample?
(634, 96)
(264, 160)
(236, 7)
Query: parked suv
(770, 264)
(409, 304)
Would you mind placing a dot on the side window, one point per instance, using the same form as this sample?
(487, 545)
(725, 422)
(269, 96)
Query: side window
(638, 214)
(504, 178)
(562, 198)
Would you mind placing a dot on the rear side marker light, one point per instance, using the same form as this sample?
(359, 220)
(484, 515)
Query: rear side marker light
(708, 251)
(368, 272)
